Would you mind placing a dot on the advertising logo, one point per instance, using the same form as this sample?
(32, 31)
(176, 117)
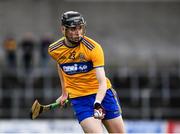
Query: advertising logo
(76, 68)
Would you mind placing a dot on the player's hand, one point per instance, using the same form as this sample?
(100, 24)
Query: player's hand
(99, 111)
(62, 99)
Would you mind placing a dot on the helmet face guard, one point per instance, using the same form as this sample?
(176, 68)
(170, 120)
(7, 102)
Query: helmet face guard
(72, 19)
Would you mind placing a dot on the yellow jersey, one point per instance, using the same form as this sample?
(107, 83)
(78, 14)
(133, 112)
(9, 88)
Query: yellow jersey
(78, 65)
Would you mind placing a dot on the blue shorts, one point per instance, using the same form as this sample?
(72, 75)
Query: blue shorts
(83, 106)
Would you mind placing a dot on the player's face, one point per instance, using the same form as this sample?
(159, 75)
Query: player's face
(74, 34)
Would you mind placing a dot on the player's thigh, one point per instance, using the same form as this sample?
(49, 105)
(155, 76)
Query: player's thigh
(115, 125)
(91, 125)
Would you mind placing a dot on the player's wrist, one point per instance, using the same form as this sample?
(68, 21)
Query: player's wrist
(97, 101)
(97, 105)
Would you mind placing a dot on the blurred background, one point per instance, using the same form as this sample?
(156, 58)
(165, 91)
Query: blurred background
(140, 39)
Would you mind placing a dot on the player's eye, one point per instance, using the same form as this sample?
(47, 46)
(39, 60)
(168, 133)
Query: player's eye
(75, 28)
(72, 28)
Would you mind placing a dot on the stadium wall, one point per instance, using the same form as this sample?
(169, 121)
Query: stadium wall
(132, 31)
(72, 126)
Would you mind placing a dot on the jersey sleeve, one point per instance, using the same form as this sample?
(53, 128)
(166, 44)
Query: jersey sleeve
(53, 48)
(97, 56)
(52, 53)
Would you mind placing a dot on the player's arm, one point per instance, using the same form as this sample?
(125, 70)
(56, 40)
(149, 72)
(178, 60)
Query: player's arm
(64, 94)
(99, 111)
(98, 64)
(100, 75)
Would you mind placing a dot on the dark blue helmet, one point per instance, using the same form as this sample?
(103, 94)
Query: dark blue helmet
(72, 19)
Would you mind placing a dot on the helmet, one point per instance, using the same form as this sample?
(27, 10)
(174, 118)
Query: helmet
(72, 19)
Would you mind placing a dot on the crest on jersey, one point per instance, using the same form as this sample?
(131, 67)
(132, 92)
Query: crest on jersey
(82, 57)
